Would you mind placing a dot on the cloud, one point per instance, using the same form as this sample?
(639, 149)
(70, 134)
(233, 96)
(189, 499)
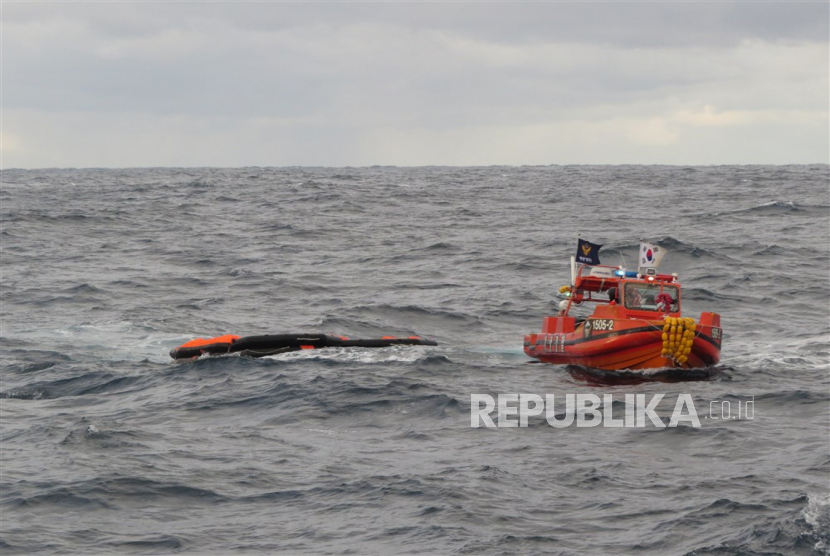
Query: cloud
(621, 23)
(372, 83)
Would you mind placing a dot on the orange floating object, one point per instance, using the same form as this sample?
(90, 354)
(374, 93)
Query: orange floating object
(273, 344)
(199, 346)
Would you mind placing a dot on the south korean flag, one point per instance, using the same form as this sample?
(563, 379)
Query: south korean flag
(651, 255)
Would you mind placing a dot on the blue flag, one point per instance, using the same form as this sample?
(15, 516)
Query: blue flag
(587, 252)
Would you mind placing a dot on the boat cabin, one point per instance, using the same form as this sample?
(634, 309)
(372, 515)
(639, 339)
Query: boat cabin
(635, 295)
(650, 296)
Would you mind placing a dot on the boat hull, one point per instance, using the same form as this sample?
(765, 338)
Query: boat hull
(274, 344)
(617, 344)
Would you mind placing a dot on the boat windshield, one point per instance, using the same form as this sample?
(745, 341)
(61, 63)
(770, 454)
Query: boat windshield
(646, 297)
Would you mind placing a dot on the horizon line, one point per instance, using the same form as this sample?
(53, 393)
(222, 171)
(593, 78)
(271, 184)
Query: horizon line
(370, 166)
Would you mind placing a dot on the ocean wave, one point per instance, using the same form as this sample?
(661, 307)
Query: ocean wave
(86, 383)
(388, 402)
(632, 377)
(368, 356)
(111, 493)
(677, 249)
(25, 361)
(770, 208)
(817, 517)
(148, 544)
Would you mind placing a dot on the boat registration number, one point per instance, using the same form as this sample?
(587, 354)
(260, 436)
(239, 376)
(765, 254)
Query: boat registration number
(598, 325)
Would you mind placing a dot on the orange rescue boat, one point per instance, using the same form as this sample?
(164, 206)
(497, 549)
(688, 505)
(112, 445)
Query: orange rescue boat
(636, 324)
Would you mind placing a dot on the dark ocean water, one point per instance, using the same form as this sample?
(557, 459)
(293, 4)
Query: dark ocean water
(108, 447)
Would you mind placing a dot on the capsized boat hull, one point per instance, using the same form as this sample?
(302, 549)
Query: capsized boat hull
(274, 344)
(617, 344)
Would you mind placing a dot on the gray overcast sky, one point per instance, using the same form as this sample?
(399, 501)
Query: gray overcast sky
(122, 84)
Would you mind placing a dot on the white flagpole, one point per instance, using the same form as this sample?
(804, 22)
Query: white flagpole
(573, 270)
